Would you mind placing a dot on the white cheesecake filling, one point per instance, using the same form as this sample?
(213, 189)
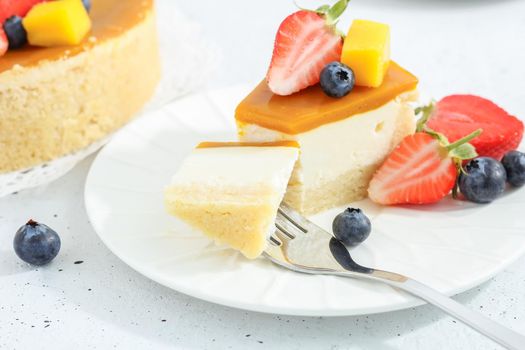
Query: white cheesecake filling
(338, 159)
(243, 170)
(333, 149)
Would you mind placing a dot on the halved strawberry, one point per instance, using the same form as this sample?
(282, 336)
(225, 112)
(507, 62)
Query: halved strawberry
(458, 115)
(4, 43)
(305, 43)
(422, 169)
(20, 8)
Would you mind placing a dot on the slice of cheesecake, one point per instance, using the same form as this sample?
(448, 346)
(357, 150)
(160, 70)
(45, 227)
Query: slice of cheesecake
(342, 141)
(231, 191)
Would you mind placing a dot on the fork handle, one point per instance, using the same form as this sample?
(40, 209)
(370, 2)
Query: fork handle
(484, 325)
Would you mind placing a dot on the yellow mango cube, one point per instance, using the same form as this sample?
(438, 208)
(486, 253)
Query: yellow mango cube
(57, 23)
(367, 51)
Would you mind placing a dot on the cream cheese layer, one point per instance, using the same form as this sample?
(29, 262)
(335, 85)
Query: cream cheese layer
(247, 169)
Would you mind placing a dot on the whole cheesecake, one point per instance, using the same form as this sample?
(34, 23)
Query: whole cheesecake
(58, 100)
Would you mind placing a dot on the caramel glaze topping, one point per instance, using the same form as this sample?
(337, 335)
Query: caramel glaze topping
(110, 19)
(311, 107)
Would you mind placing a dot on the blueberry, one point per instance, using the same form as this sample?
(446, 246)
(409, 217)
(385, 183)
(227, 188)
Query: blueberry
(351, 227)
(483, 181)
(15, 32)
(337, 79)
(514, 163)
(36, 244)
(87, 5)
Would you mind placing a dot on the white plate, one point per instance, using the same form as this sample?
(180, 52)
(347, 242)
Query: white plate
(451, 246)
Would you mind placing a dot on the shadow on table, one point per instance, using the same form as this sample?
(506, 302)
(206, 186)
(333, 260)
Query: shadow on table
(11, 264)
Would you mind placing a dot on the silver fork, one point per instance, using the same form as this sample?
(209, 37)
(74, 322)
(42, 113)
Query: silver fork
(300, 245)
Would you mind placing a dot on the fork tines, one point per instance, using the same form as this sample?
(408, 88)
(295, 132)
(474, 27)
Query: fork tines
(294, 217)
(288, 225)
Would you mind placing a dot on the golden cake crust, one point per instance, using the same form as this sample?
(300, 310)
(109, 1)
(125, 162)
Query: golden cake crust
(58, 106)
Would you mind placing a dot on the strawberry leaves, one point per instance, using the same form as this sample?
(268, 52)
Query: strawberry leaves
(322, 10)
(426, 113)
(462, 149)
(330, 13)
(333, 14)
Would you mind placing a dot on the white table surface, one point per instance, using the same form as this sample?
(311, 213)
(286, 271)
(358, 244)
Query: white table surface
(453, 46)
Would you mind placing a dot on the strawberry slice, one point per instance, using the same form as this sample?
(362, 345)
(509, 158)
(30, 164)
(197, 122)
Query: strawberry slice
(458, 115)
(305, 43)
(20, 8)
(4, 43)
(422, 169)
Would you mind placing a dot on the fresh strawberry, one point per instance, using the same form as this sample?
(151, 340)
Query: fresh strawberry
(4, 43)
(422, 169)
(458, 115)
(20, 8)
(305, 43)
